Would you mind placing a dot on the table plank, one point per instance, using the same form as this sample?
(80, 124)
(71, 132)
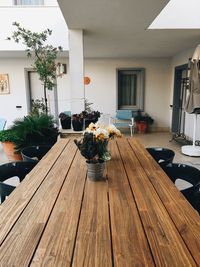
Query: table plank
(166, 244)
(130, 247)
(181, 212)
(57, 243)
(27, 231)
(93, 244)
(14, 205)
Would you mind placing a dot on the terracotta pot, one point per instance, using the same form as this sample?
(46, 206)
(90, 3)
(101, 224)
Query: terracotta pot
(9, 150)
(141, 126)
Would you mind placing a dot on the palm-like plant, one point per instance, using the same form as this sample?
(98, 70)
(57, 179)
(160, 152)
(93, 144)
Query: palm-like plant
(34, 130)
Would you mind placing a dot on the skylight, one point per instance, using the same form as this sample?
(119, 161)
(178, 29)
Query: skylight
(178, 14)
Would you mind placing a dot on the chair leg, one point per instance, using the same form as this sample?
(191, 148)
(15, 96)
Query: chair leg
(131, 129)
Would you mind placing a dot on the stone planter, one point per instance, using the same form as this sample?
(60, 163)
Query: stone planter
(95, 171)
(66, 124)
(77, 125)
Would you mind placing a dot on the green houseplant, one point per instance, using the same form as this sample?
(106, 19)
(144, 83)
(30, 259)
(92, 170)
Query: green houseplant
(28, 131)
(34, 130)
(142, 120)
(44, 56)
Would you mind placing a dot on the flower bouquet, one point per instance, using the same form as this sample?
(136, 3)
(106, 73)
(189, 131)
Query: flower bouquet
(93, 146)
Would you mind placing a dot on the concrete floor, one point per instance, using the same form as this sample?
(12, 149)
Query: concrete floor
(148, 140)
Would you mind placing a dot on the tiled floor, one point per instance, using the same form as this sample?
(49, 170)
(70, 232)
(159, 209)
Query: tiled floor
(149, 140)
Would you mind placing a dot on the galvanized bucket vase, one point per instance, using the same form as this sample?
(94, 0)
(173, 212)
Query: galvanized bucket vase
(95, 171)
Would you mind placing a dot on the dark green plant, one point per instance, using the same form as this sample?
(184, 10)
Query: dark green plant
(43, 55)
(34, 130)
(63, 116)
(9, 136)
(143, 117)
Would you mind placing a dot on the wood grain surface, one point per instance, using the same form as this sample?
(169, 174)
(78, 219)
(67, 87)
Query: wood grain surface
(134, 217)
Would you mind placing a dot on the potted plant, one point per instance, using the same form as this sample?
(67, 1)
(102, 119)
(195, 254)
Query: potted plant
(65, 120)
(93, 146)
(143, 120)
(44, 56)
(77, 122)
(9, 138)
(34, 130)
(90, 117)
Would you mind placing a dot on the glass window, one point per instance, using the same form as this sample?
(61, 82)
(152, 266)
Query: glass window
(131, 89)
(29, 2)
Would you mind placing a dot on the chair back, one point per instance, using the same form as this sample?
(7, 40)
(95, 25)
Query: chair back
(34, 153)
(124, 114)
(162, 155)
(18, 168)
(184, 172)
(2, 124)
(189, 174)
(5, 190)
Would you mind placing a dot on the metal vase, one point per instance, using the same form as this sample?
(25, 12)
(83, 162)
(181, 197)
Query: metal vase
(95, 171)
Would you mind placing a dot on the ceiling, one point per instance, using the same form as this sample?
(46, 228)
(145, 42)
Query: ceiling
(118, 28)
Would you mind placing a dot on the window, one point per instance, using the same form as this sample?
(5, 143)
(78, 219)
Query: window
(29, 2)
(131, 89)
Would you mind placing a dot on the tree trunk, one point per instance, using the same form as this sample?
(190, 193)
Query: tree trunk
(45, 98)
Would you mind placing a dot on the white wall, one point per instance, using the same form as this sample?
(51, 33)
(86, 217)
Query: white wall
(17, 97)
(102, 91)
(44, 17)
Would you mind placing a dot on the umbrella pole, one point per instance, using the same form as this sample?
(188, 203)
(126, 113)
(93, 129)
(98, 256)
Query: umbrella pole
(194, 130)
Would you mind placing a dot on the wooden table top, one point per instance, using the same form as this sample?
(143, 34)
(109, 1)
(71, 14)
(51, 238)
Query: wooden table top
(135, 217)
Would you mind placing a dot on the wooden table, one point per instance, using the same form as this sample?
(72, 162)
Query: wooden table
(136, 217)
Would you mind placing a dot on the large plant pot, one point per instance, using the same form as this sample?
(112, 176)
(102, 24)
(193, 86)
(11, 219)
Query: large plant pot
(88, 121)
(95, 171)
(77, 125)
(9, 150)
(66, 124)
(141, 126)
(34, 153)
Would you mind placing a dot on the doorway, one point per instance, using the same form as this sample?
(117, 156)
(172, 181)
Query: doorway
(179, 96)
(35, 91)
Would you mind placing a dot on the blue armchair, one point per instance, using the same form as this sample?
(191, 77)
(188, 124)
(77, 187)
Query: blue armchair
(124, 118)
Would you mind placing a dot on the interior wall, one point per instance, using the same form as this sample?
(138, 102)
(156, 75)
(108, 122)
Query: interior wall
(102, 91)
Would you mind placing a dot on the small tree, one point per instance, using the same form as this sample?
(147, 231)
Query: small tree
(44, 56)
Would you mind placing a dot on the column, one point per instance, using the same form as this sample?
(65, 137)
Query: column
(76, 70)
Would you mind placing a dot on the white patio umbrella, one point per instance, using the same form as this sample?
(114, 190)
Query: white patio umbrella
(193, 100)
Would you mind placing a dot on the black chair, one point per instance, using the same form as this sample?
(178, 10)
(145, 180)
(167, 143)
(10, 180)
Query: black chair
(34, 153)
(5, 190)
(189, 174)
(13, 169)
(162, 155)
